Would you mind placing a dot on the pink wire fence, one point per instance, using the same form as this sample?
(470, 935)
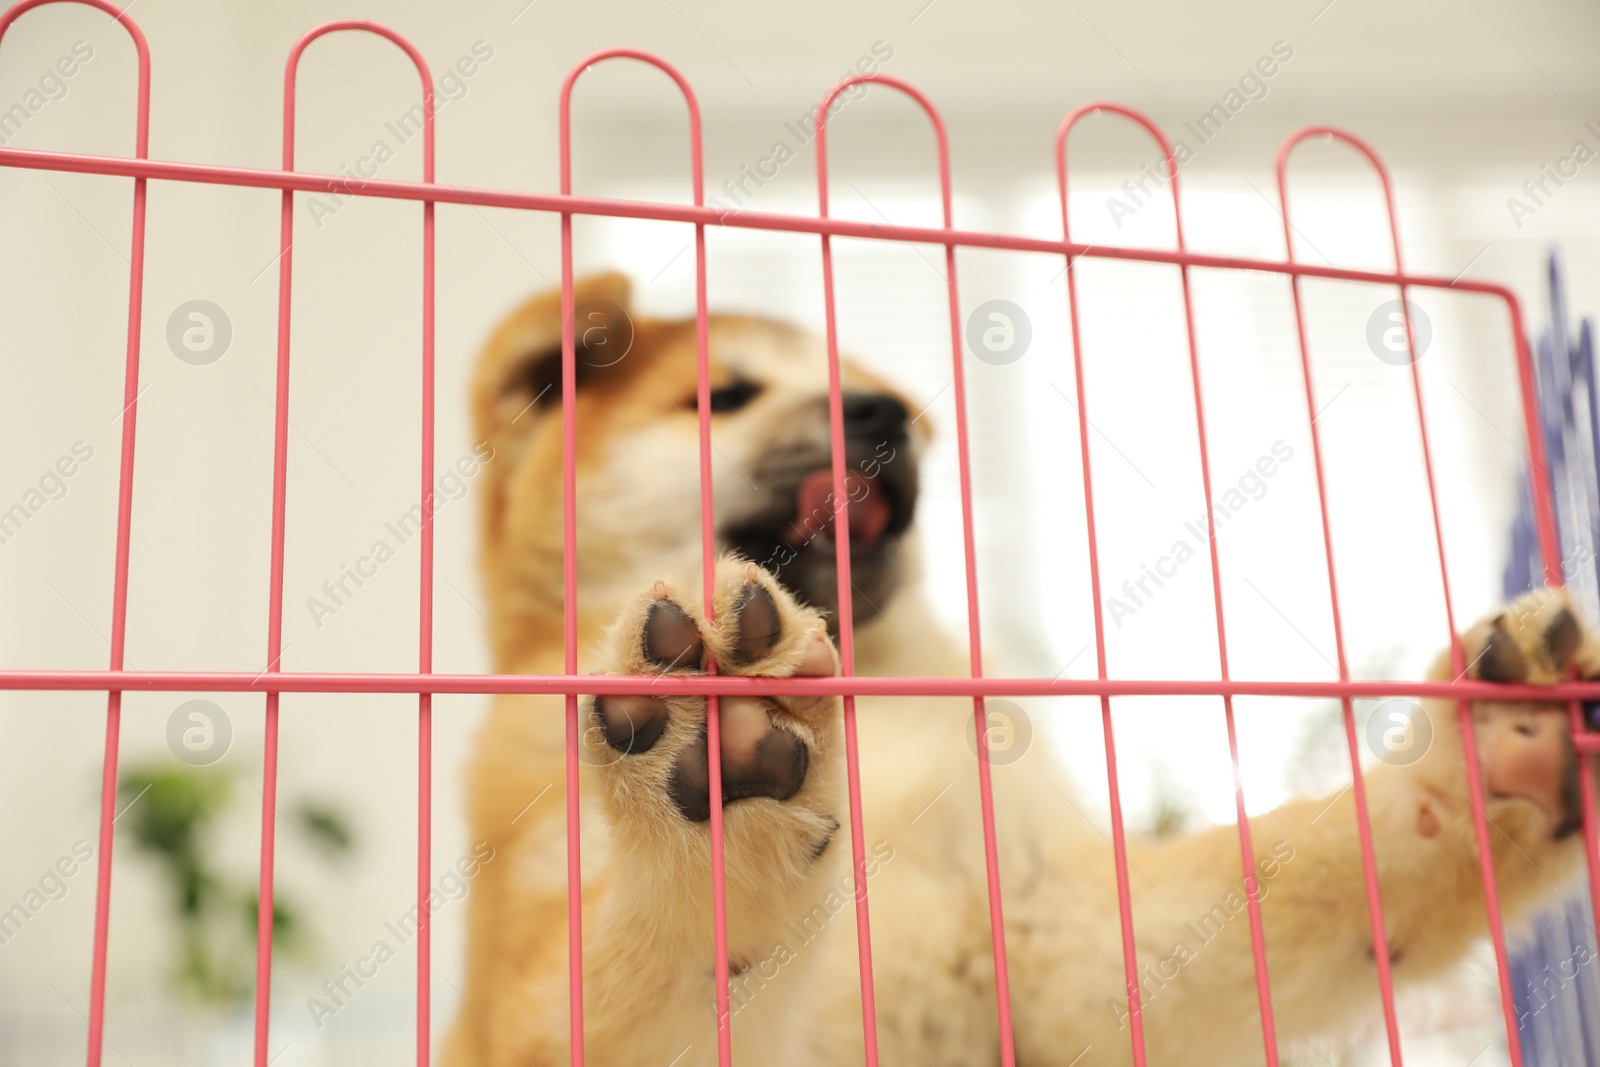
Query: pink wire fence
(273, 681)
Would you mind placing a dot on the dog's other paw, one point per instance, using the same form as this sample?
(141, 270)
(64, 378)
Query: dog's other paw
(1524, 748)
(779, 755)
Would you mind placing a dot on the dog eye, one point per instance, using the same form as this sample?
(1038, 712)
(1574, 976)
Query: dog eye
(732, 397)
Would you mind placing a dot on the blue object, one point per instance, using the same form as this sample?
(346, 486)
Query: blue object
(1555, 976)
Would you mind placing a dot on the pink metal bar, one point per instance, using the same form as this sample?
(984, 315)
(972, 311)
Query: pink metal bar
(719, 900)
(846, 600)
(1469, 742)
(1246, 848)
(280, 473)
(975, 647)
(252, 177)
(569, 598)
(1591, 815)
(858, 686)
(1130, 952)
(1380, 936)
(119, 582)
(975, 644)
(569, 535)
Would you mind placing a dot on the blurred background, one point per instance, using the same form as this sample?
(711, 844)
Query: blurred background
(1487, 111)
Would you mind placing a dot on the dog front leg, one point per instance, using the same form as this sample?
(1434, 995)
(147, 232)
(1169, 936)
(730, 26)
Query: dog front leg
(650, 963)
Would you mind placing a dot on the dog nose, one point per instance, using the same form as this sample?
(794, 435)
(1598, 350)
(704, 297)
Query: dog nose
(875, 415)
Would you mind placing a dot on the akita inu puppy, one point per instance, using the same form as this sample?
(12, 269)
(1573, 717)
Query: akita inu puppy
(794, 987)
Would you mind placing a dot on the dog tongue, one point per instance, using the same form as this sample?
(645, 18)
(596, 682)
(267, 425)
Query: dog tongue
(817, 508)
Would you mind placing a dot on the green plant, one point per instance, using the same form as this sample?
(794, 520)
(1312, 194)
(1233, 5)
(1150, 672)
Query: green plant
(169, 812)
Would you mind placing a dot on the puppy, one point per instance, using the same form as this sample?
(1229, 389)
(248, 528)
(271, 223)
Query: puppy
(794, 989)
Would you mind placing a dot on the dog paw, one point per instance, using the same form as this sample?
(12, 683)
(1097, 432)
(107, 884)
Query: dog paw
(778, 754)
(1525, 749)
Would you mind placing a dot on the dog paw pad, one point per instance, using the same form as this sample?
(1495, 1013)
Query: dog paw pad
(760, 758)
(759, 625)
(672, 641)
(632, 725)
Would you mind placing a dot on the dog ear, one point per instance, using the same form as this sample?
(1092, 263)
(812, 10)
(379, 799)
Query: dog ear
(519, 375)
